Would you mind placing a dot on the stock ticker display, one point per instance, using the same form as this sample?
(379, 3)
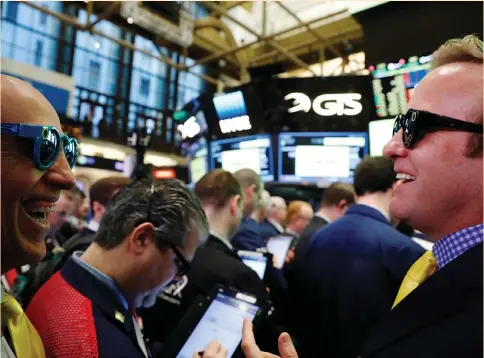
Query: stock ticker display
(394, 83)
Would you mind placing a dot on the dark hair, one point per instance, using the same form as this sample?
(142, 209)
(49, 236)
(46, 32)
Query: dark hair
(217, 187)
(336, 192)
(175, 211)
(104, 189)
(374, 174)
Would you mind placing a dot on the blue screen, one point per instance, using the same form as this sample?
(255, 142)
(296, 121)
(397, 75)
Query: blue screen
(230, 105)
(253, 152)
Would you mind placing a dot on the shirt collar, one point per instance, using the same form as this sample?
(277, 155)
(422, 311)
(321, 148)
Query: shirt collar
(451, 246)
(108, 281)
(293, 233)
(93, 225)
(324, 217)
(225, 241)
(277, 225)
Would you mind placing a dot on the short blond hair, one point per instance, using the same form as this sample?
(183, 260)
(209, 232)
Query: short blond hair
(467, 49)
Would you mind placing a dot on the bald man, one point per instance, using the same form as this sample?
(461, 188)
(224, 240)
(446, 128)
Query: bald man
(276, 218)
(31, 185)
(260, 212)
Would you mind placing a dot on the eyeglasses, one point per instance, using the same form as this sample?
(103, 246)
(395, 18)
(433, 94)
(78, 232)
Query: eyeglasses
(414, 130)
(182, 264)
(47, 143)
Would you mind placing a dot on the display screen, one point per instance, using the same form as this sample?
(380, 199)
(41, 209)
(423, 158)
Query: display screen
(198, 164)
(223, 322)
(256, 261)
(253, 152)
(380, 134)
(320, 158)
(279, 246)
(394, 83)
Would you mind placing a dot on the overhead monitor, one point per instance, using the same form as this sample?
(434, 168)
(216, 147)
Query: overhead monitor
(198, 164)
(320, 158)
(394, 84)
(252, 152)
(232, 112)
(380, 134)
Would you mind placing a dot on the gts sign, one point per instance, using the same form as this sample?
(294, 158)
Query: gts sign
(346, 104)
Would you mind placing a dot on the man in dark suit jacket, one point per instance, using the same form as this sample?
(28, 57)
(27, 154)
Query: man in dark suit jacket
(153, 229)
(441, 197)
(276, 218)
(353, 269)
(337, 198)
(216, 262)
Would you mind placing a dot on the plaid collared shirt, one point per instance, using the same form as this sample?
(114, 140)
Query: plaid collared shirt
(451, 246)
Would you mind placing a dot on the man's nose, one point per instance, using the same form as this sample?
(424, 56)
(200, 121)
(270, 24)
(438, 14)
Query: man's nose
(60, 175)
(395, 148)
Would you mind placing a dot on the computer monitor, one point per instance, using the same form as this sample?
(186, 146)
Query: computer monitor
(253, 152)
(198, 164)
(320, 158)
(380, 134)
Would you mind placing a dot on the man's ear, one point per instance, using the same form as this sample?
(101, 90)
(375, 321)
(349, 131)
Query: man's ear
(235, 204)
(142, 237)
(341, 204)
(98, 208)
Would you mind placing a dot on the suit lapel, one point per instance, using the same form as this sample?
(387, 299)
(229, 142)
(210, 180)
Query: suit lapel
(444, 293)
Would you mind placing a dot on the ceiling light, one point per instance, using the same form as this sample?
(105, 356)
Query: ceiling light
(97, 44)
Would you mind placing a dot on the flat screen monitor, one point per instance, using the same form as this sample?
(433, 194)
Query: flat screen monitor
(252, 152)
(198, 164)
(380, 134)
(394, 83)
(320, 158)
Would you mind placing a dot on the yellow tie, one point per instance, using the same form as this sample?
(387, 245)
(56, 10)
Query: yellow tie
(25, 339)
(418, 273)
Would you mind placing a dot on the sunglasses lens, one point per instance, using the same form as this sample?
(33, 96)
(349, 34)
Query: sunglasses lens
(409, 131)
(48, 148)
(70, 151)
(397, 124)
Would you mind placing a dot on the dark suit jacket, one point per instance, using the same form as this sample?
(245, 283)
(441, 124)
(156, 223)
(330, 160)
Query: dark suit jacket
(441, 318)
(314, 225)
(76, 315)
(214, 263)
(248, 236)
(268, 230)
(353, 270)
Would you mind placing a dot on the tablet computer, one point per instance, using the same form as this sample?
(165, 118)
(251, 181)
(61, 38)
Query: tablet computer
(279, 247)
(218, 316)
(257, 261)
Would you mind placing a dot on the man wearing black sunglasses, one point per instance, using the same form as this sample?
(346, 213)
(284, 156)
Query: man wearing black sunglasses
(437, 150)
(31, 185)
(147, 236)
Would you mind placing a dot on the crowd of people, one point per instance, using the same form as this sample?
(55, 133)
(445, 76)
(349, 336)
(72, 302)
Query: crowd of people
(114, 280)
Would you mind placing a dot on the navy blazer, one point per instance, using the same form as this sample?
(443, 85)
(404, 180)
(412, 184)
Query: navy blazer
(248, 236)
(268, 230)
(442, 317)
(350, 276)
(77, 315)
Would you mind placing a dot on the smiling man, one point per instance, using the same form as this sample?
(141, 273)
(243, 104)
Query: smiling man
(437, 149)
(36, 166)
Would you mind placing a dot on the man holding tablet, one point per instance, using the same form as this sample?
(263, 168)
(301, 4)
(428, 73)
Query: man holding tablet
(214, 263)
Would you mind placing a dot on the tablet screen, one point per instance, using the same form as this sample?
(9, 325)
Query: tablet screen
(222, 321)
(256, 263)
(279, 246)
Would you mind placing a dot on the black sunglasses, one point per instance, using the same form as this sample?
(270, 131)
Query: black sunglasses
(414, 130)
(182, 264)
